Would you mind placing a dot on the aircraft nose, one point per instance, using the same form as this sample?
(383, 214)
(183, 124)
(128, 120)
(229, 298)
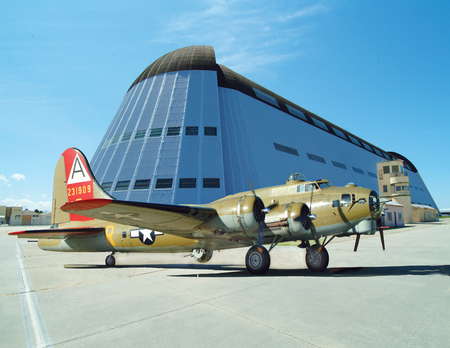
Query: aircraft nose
(375, 206)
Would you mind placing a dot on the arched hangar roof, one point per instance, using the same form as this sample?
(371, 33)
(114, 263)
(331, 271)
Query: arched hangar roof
(204, 58)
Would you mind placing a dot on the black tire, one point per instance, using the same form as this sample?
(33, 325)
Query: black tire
(110, 261)
(257, 262)
(317, 261)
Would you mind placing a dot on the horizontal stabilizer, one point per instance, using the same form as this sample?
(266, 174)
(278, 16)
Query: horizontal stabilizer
(59, 233)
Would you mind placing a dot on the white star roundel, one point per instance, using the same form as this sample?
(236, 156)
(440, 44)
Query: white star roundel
(147, 237)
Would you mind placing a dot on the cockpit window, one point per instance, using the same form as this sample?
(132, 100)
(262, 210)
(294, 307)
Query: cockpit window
(311, 186)
(323, 185)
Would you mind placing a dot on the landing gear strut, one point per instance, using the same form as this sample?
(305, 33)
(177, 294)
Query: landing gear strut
(110, 260)
(317, 258)
(257, 260)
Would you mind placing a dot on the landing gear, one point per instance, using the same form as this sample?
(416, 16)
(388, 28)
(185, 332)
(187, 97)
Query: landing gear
(110, 260)
(202, 255)
(317, 258)
(257, 260)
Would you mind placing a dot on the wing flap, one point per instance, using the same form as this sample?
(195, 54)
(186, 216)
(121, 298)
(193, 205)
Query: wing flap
(58, 233)
(179, 220)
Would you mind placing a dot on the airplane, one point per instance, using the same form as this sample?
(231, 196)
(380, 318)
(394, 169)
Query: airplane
(86, 218)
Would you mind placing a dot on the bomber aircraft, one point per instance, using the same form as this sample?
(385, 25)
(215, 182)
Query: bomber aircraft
(86, 218)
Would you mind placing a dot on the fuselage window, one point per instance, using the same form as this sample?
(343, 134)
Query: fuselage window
(346, 200)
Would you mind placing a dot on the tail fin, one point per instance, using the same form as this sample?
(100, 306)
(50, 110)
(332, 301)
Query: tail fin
(73, 181)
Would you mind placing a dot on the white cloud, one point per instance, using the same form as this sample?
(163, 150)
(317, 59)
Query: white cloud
(248, 36)
(5, 181)
(18, 176)
(28, 204)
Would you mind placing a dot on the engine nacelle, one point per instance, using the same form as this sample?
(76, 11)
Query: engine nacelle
(289, 220)
(237, 214)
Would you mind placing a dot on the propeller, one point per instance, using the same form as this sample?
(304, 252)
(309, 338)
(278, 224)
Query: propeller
(380, 229)
(259, 211)
(377, 203)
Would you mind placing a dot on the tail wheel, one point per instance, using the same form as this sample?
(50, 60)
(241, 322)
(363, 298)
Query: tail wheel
(257, 260)
(317, 258)
(110, 261)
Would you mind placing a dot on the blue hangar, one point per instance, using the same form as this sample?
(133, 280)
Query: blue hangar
(190, 130)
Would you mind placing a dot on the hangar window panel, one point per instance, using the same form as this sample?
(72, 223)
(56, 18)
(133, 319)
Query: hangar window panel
(316, 158)
(267, 98)
(115, 140)
(320, 124)
(286, 149)
(211, 182)
(126, 137)
(339, 133)
(368, 147)
(140, 134)
(339, 165)
(373, 175)
(354, 140)
(122, 185)
(210, 131)
(163, 184)
(106, 186)
(296, 112)
(155, 132)
(173, 131)
(142, 184)
(187, 183)
(191, 131)
(378, 152)
(357, 170)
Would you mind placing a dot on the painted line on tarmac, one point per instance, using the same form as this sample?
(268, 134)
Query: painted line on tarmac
(36, 334)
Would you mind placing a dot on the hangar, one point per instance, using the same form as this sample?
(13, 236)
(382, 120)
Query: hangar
(190, 130)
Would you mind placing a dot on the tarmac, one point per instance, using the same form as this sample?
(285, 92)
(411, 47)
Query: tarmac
(399, 297)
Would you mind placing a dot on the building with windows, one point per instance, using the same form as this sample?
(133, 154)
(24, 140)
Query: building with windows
(393, 215)
(190, 130)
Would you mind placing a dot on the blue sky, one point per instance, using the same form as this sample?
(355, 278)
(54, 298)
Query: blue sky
(379, 69)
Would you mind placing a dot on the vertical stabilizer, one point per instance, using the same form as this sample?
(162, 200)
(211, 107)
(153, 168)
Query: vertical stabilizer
(73, 181)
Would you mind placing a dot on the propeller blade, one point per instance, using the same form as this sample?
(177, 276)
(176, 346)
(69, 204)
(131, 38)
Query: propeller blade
(260, 216)
(260, 235)
(251, 187)
(358, 236)
(380, 228)
(382, 237)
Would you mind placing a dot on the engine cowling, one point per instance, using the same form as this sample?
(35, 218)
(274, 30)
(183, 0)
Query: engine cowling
(289, 220)
(238, 214)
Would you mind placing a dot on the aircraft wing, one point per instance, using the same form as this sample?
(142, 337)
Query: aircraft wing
(180, 220)
(56, 233)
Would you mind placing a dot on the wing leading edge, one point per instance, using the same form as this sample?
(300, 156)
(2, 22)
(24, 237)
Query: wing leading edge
(179, 220)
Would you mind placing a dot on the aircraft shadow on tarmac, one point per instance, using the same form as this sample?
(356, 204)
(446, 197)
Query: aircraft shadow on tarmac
(230, 271)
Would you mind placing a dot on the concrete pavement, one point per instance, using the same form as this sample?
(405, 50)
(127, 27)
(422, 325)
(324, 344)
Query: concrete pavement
(399, 297)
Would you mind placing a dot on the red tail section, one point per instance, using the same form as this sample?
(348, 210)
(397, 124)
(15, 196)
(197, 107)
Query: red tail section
(80, 184)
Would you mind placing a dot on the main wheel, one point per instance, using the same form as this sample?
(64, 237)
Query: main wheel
(257, 262)
(317, 261)
(110, 261)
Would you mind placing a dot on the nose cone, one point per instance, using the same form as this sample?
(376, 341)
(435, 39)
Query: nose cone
(376, 207)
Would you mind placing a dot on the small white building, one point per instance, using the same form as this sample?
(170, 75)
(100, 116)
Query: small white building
(394, 215)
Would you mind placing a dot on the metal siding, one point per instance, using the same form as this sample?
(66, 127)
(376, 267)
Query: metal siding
(243, 149)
